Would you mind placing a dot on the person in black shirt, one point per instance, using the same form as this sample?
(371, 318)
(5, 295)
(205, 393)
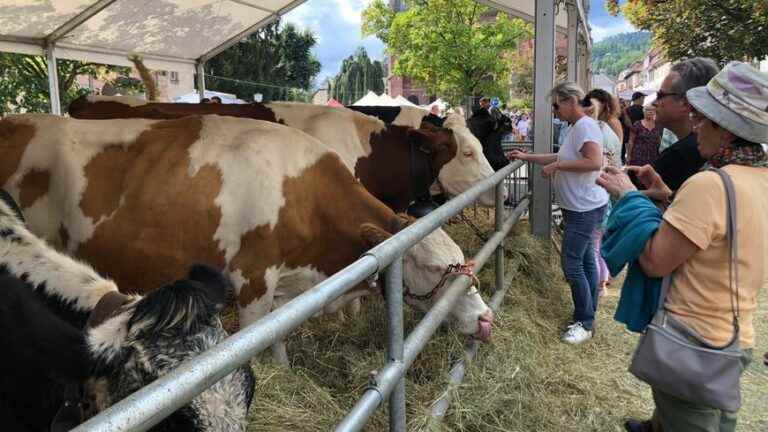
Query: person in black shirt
(635, 111)
(681, 160)
(434, 116)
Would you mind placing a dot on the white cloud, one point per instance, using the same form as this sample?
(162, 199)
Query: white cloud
(336, 25)
(601, 32)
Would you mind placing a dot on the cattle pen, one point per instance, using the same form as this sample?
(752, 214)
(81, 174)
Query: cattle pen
(150, 405)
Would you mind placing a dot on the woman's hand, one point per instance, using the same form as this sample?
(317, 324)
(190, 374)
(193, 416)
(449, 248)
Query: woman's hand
(517, 155)
(615, 182)
(655, 188)
(549, 169)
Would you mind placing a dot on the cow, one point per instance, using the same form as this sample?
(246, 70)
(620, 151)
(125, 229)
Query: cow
(396, 163)
(269, 205)
(469, 144)
(72, 344)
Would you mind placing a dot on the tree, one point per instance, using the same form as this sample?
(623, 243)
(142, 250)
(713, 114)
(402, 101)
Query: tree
(451, 47)
(721, 29)
(358, 76)
(24, 81)
(612, 55)
(278, 59)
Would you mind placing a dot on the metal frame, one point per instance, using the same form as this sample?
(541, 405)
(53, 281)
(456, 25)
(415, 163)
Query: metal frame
(544, 59)
(148, 406)
(573, 35)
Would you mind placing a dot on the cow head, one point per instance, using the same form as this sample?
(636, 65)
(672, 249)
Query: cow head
(423, 269)
(469, 166)
(142, 339)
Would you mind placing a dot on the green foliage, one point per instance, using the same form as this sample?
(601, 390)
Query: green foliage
(358, 76)
(616, 53)
(24, 82)
(450, 47)
(276, 62)
(521, 84)
(723, 30)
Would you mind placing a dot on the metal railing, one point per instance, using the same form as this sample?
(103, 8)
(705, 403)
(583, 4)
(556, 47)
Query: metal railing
(151, 404)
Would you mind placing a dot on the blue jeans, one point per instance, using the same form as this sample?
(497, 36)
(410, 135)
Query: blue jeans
(578, 262)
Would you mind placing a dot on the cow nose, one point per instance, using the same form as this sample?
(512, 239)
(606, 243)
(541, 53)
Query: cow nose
(487, 316)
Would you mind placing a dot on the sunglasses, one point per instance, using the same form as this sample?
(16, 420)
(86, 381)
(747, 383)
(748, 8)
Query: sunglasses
(555, 106)
(662, 94)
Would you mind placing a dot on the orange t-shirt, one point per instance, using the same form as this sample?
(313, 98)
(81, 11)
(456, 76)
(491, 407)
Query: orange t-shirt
(700, 294)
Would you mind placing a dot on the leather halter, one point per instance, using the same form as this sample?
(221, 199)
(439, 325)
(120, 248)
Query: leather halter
(107, 306)
(422, 176)
(453, 269)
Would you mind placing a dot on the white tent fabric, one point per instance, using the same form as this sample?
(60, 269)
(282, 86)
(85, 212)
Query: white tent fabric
(194, 97)
(387, 100)
(370, 99)
(405, 102)
(443, 105)
(169, 34)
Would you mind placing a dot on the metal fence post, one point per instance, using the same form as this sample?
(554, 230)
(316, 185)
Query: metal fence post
(499, 222)
(53, 79)
(394, 293)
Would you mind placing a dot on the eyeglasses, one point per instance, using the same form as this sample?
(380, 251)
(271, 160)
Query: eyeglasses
(662, 94)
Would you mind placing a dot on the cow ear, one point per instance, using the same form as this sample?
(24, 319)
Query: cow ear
(401, 221)
(217, 287)
(372, 234)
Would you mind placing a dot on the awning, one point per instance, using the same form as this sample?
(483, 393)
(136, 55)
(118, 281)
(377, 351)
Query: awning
(169, 34)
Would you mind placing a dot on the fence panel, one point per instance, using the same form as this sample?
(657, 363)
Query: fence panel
(151, 404)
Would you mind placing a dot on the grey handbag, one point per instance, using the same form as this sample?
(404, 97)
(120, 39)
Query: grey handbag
(673, 358)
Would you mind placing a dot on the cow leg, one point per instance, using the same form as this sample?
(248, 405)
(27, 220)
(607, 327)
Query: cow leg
(354, 307)
(280, 354)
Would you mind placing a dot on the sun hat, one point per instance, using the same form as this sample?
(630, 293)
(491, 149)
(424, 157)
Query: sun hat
(737, 100)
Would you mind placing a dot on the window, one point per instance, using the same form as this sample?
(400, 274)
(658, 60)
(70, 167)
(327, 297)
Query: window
(174, 77)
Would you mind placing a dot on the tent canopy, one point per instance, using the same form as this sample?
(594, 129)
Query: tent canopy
(169, 34)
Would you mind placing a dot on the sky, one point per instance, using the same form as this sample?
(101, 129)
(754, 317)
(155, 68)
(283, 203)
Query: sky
(336, 25)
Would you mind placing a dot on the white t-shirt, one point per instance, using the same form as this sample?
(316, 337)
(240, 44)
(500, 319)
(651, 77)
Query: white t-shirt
(578, 191)
(611, 146)
(522, 127)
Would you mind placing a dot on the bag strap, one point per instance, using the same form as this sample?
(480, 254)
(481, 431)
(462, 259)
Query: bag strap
(733, 268)
(732, 236)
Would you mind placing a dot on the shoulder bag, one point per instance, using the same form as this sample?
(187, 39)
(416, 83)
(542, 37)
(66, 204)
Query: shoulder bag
(673, 358)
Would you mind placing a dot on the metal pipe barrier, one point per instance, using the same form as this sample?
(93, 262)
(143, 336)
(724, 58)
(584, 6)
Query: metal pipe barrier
(159, 399)
(457, 372)
(381, 386)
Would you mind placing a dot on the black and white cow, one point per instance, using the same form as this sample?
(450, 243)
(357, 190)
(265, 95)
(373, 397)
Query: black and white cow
(69, 336)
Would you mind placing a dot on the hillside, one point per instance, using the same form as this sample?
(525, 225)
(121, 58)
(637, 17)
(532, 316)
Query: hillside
(614, 54)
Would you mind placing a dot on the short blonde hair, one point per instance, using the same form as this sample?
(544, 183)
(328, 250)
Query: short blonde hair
(566, 91)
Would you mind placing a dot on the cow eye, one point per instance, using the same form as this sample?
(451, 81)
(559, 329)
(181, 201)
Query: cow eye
(468, 154)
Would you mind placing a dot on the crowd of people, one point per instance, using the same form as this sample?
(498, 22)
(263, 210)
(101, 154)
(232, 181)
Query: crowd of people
(639, 178)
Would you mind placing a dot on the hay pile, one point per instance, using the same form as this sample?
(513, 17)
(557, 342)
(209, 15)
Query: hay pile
(524, 380)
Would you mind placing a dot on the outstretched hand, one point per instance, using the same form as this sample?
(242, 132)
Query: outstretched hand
(517, 155)
(615, 182)
(655, 188)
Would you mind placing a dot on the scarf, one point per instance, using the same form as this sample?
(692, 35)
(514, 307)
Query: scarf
(748, 154)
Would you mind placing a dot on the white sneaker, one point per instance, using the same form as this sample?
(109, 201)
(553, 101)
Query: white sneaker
(576, 334)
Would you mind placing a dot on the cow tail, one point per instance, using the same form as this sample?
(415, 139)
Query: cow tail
(146, 77)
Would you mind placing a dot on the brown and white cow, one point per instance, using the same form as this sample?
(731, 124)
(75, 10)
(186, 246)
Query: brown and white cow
(268, 204)
(472, 161)
(396, 163)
